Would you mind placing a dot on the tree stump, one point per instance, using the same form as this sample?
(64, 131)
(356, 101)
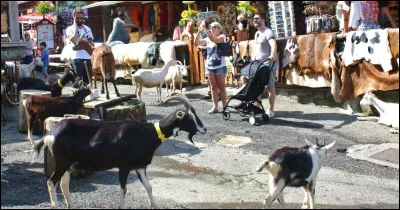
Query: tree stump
(49, 163)
(127, 110)
(22, 124)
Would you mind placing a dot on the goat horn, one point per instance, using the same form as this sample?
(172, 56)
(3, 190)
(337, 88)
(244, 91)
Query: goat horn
(180, 94)
(181, 99)
(316, 139)
(79, 39)
(324, 142)
(83, 34)
(180, 63)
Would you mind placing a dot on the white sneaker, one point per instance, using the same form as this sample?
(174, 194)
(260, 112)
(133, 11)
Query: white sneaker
(270, 113)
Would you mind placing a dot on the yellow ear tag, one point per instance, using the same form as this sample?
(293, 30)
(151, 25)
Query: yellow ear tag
(159, 132)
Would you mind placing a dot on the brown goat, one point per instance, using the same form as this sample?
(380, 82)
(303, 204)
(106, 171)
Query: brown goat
(41, 107)
(103, 63)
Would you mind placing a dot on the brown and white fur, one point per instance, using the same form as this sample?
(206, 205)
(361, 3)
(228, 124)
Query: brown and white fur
(294, 167)
(389, 112)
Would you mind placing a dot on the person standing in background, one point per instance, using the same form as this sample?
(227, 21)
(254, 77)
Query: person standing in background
(28, 51)
(215, 64)
(386, 19)
(80, 56)
(45, 59)
(265, 48)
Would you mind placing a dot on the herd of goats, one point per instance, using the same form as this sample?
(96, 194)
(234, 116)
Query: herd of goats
(130, 145)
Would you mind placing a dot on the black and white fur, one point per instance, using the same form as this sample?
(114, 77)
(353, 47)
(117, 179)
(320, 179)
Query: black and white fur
(100, 145)
(294, 167)
(38, 84)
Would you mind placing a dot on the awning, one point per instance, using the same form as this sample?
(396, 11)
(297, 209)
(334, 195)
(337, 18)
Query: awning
(34, 18)
(108, 3)
(102, 3)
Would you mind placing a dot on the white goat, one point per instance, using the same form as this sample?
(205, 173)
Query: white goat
(25, 70)
(174, 75)
(294, 167)
(151, 78)
(389, 112)
(131, 54)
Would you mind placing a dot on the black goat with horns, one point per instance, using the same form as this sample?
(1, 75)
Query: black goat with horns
(127, 145)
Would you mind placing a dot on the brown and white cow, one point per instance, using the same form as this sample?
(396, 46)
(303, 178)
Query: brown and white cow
(363, 77)
(313, 62)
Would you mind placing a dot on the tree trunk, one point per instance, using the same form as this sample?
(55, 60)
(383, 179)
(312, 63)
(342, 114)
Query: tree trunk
(128, 110)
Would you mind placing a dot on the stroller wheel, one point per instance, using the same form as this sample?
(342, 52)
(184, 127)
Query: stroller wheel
(226, 115)
(252, 120)
(265, 117)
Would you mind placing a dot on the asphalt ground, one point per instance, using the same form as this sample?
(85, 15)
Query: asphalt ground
(218, 170)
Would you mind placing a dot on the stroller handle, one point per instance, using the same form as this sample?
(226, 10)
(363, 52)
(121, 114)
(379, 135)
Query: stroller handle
(268, 59)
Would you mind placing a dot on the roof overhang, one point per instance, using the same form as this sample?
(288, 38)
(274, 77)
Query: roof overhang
(108, 3)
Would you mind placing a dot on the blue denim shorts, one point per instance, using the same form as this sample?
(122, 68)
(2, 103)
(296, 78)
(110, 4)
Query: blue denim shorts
(219, 71)
(44, 69)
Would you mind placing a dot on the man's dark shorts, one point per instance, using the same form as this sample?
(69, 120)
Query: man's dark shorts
(79, 67)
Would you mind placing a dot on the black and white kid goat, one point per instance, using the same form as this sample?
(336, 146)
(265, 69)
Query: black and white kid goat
(100, 145)
(294, 167)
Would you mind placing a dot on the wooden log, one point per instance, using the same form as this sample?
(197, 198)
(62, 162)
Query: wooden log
(22, 123)
(128, 110)
(49, 163)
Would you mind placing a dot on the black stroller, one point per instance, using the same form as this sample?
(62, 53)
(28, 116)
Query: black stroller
(259, 72)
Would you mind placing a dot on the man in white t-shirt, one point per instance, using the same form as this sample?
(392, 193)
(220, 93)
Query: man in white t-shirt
(80, 56)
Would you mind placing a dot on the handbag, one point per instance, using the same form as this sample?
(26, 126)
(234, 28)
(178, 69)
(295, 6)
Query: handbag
(224, 49)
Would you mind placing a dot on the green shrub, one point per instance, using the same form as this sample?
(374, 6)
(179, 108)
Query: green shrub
(44, 7)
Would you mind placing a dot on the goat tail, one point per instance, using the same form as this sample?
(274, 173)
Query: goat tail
(262, 165)
(38, 147)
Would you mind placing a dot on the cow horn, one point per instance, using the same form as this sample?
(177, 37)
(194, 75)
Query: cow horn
(185, 101)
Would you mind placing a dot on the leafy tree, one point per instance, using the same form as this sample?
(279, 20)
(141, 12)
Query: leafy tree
(44, 7)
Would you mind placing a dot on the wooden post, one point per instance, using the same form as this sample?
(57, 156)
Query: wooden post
(201, 67)
(106, 19)
(170, 15)
(13, 20)
(194, 71)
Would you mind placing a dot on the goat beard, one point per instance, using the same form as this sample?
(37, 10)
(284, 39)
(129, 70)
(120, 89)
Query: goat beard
(190, 135)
